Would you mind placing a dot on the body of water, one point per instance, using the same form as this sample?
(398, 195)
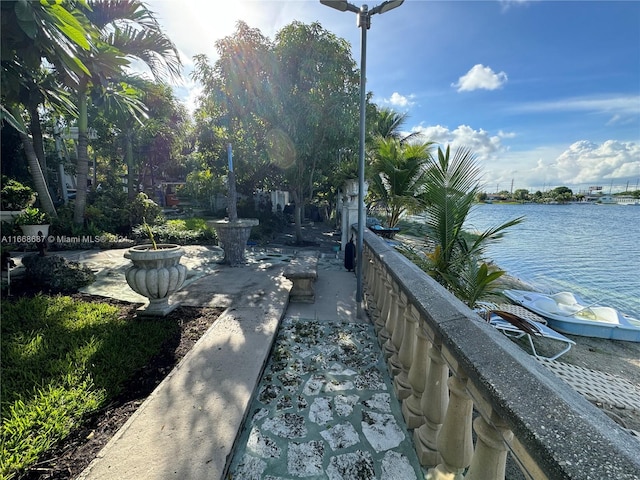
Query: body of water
(591, 250)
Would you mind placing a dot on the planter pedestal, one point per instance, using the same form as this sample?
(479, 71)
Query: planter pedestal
(232, 237)
(156, 274)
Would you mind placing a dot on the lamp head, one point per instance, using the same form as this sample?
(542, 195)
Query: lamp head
(341, 5)
(386, 6)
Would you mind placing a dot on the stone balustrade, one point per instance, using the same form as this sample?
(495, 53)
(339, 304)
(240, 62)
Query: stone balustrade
(457, 376)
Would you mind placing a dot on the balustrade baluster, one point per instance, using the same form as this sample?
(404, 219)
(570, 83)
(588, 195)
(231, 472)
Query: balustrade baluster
(372, 289)
(455, 443)
(434, 402)
(490, 456)
(405, 353)
(393, 344)
(370, 278)
(389, 320)
(381, 290)
(366, 266)
(411, 408)
(381, 320)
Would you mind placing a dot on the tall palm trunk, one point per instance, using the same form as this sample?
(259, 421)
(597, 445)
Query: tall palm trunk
(82, 169)
(39, 181)
(131, 179)
(38, 178)
(36, 134)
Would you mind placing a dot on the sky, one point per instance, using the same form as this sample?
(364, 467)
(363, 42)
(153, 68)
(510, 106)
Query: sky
(544, 93)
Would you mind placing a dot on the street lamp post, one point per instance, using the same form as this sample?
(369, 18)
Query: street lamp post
(364, 22)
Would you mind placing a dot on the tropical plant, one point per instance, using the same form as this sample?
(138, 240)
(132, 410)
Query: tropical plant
(387, 123)
(287, 106)
(15, 195)
(32, 216)
(237, 94)
(144, 210)
(398, 174)
(147, 229)
(316, 84)
(31, 33)
(451, 186)
(202, 186)
(126, 29)
(474, 281)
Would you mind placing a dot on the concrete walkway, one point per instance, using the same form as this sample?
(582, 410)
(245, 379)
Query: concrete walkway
(190, 426)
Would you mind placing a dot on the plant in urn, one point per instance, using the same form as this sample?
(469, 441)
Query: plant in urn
(156, 273)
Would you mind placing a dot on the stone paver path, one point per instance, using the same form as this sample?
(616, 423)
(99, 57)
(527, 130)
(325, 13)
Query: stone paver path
(325, 409)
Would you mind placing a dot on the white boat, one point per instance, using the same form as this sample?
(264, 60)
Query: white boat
(567, 313)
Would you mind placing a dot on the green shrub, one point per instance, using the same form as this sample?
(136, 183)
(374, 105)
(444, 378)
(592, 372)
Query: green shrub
(64, 225)
(191, 231)
(63, 359)
(109, 210)
(15, 195)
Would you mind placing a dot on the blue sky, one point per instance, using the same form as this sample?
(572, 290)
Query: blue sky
(545, 93)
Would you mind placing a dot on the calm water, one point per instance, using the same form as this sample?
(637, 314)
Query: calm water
(591, 250)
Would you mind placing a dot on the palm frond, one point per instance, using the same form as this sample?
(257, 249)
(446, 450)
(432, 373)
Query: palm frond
(103, 13)
(151, 46)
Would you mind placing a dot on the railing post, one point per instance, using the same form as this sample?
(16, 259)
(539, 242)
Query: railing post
(367, 266)
(490, 456)
(373, 281)
(455, 442)
(384, 301)
(405, 353)
(411, 408)
(433, 404)
(394, 343)
(389, 322)
(381, 287)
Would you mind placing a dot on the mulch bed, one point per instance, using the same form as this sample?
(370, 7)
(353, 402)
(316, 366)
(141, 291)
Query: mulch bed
(69, 458)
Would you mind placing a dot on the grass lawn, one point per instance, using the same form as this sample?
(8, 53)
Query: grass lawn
(63, 359)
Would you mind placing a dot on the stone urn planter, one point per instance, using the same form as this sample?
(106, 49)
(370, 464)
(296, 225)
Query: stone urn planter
(34, 223)
(156, 274)
(34, 231)
(232, 237)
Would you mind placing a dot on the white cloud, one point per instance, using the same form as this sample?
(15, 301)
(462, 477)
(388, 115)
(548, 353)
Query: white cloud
(507, 4)
(189, 94)
(577, 166)
(622, 108)
(480, 77)
(398, 100)
(480, 142)
(587, 162)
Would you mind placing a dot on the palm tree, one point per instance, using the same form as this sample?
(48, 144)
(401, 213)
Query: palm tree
(127, 29)
(451, 185)
(387, 123)
(31, 32)
(398, 177)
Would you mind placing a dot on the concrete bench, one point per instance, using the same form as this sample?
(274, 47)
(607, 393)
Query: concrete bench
(303, 272)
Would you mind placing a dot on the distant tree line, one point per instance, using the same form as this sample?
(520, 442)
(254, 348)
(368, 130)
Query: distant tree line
(559, 194)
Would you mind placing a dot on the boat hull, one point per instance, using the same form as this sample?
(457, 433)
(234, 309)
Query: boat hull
(573, 319)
